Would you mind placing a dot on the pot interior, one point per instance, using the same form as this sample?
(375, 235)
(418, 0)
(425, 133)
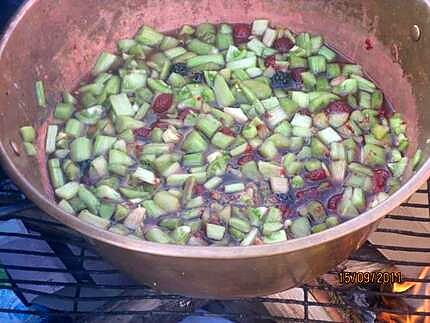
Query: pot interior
(58, 41)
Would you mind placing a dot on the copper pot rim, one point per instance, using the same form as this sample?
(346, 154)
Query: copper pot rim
(365, 219)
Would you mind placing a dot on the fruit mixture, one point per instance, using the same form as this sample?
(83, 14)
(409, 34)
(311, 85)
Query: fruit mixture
(223, 135)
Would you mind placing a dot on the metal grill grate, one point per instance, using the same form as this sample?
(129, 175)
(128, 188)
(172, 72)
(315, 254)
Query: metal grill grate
(83, 287)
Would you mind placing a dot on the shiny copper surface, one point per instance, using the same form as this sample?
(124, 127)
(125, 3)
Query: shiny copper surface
(59, 40)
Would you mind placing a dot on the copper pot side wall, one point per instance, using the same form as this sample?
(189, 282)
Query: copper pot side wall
(59, 40)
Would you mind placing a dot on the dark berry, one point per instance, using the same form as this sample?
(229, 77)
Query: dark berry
(283, 45)
(162, 103)
(86, 180)
(146, 163)
(283, 80)
(284, 198)
(198, 77)
(241, 33)
(179, 68)
(84, 166)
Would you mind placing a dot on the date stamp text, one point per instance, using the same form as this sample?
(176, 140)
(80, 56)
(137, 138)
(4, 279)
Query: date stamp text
(376, 277)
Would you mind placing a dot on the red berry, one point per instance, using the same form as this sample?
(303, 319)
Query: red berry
(283, 44)
(296, 74)
(380, 177)
(249, 149)
(214, 220)
(160, 124)
(338, 107)
(258, 241)
(385, 112)
(311, 192)
(324, 186)
(300, 194)
(245, 159)
(199, 189)
(162, 103)
(285, 210)
(199, 234)
(227, 131)
(316, 175)
(262, 130)
(215, 195)
(334, 201)
(368, 44)
(142, 132)
(183, 114)
(270, 61)
(138, 150)
(241, 33)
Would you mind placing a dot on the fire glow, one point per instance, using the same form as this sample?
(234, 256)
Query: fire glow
(396, 304)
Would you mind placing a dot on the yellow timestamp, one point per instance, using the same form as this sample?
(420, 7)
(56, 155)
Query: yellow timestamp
(363, 277)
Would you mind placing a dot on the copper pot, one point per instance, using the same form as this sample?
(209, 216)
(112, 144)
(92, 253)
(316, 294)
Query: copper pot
(59, 40)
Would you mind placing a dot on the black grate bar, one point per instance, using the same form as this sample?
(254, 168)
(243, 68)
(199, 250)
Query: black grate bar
(225, 315)
(58, 270)
(78, 288)
(415, 205)
(178, 297)
(140, 287)
(392, 262)
(306, 303)
(401, 248)
(407, 218)
(67, 284)
(97, 298)
(45, 254)
(364, 308)
(76, 241)
(29, 219)
(405, 232)
(372, 292)
(158, 312)
(10, 209)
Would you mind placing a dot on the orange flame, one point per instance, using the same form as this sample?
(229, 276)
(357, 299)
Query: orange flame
(402, 287)
(425, 307)
(415, 289)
